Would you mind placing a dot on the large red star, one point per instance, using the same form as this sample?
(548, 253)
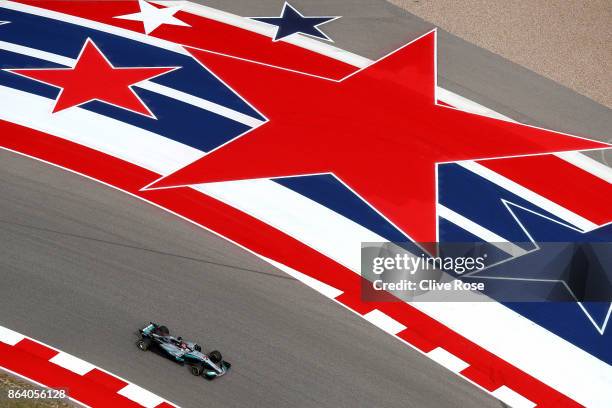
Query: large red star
(378, 130)
(94, 77)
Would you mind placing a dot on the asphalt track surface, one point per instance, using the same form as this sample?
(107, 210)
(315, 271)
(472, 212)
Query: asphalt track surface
(83, 266)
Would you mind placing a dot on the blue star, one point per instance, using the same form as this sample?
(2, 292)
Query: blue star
(566, 265)
(292, 21)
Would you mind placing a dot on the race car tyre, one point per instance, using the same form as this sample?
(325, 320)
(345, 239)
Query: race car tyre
(162, 331)
(144, 344)
(215, 356)
(197, 370)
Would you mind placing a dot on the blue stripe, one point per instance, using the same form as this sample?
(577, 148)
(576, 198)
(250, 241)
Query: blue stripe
(67, 40)
(478, 199)
(481, 201)
(176, 120)
(326, 190)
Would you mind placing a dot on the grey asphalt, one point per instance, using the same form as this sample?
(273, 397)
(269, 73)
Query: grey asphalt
(83, 266)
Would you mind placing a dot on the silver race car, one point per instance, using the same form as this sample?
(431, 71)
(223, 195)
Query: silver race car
(157, 337)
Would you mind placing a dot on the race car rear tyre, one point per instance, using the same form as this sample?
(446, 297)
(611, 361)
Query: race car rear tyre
(162, 331)
(144, 344)
(215, 356)
(197, 369)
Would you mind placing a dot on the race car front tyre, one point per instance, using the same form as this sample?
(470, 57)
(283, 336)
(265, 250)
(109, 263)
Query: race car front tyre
(215, 356)
(144, 344)
(197, 369)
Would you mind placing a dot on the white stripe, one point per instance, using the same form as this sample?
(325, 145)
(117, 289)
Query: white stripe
(132, 35)
(10, 337)
(322, 288)
(72, 363)
(479, 231)
(529, 195)
(33, 52)
(130, 143)
(41, 385)
(384, 322)
(148, 85)
(292, 213)
(467, 105)
(508, 334)
(14, 335)
(140, 395)
(200, 103)
(448, 360)
(512, 398)
(298, 216)
(528, 346)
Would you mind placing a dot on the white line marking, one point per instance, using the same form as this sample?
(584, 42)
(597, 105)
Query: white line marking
(9, 336)
(72, 363)
(40, 385)
(467, 105)
(262, 28)
(448, 360)
(89, 42)
(512, 398)
(130, 143)
(384, 322)
(200, 103)
(148, 85)
(321, 287)
(138, 394)
(121, 32)
(529, 195)
(33, 52)
(480, 231)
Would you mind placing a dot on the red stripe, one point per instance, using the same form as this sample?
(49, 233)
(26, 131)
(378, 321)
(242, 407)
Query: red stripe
(561, 182)
(36, 349)
(27, 362)
(108, 382)
(269, 242)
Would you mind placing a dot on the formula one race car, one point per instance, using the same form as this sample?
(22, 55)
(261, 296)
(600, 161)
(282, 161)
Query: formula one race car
(157, 337)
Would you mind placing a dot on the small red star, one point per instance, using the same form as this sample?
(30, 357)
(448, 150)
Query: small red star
(93, 77)
(379, 130)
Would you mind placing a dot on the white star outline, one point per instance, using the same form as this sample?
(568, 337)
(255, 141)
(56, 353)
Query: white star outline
(316, 26)
(476, 274)
(150, 114)
(153, 17)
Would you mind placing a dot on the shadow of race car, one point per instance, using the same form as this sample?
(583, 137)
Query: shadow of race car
(157, 337)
